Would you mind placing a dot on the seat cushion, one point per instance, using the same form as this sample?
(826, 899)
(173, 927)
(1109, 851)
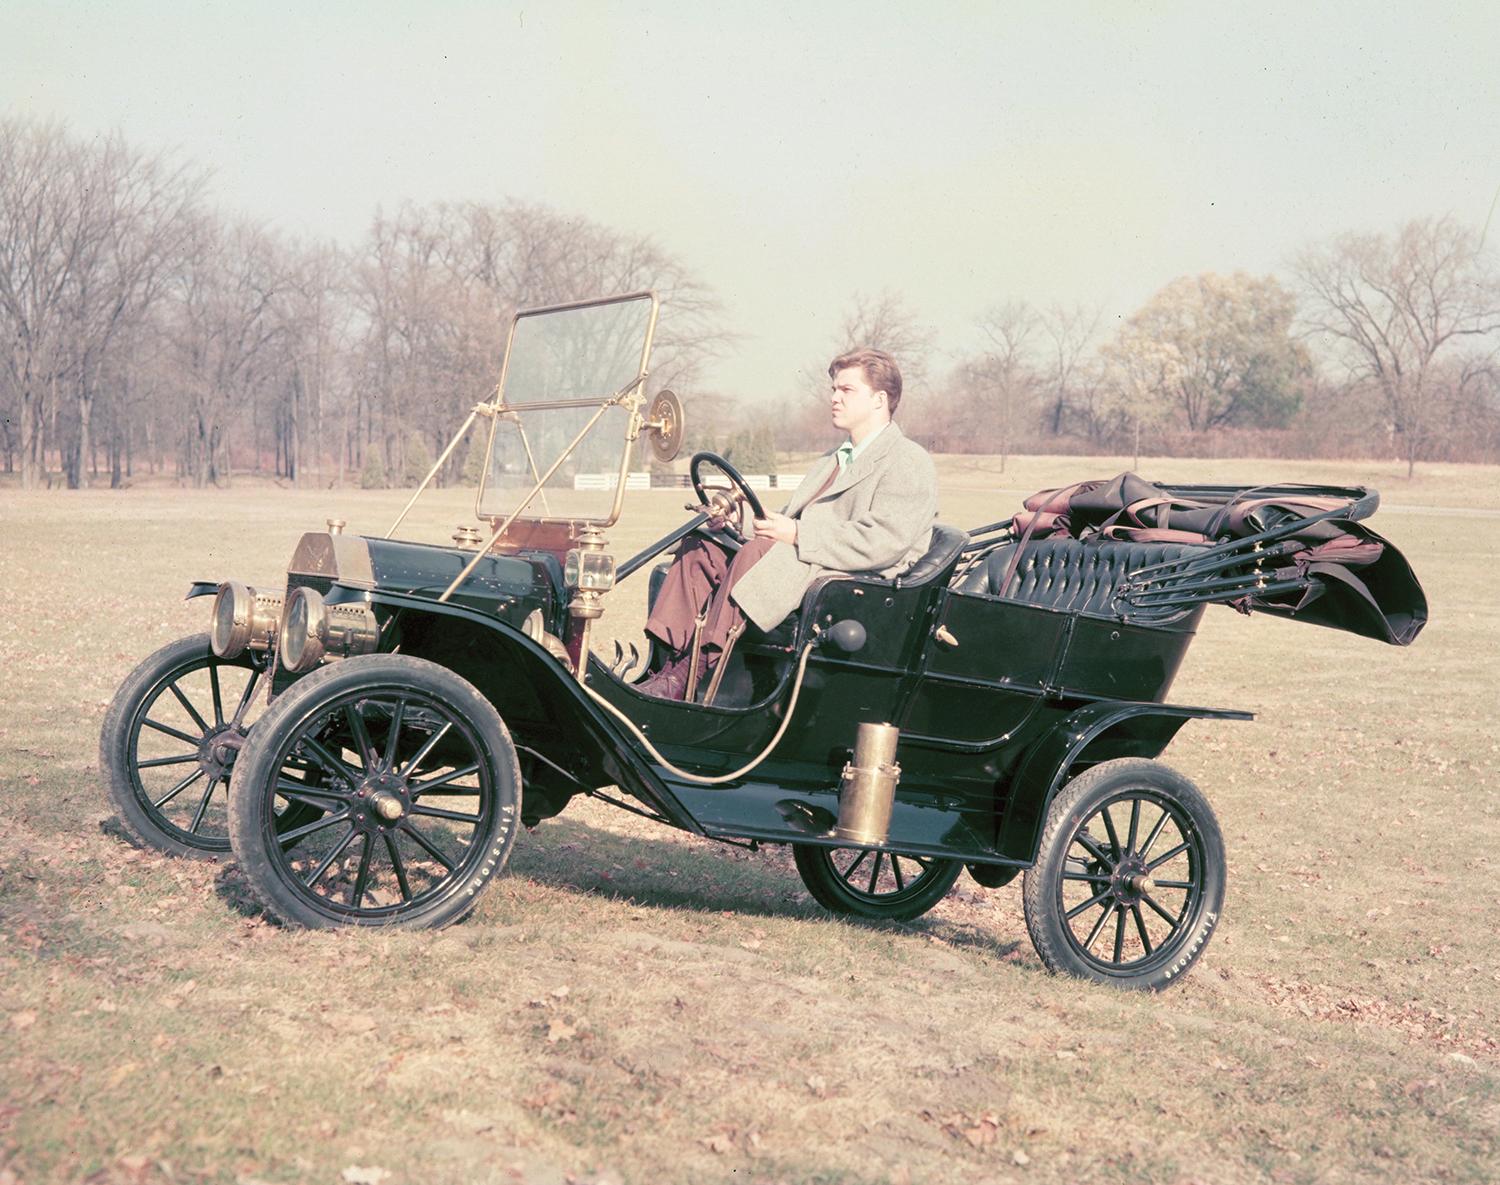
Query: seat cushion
(1082, 577)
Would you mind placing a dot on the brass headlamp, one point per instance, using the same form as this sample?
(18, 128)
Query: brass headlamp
(312, 629)
(244, 618)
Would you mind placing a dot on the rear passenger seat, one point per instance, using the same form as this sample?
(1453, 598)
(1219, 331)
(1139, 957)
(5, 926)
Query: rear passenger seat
(1065, 573)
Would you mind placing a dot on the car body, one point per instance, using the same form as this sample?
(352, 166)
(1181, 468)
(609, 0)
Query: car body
(1000, 706)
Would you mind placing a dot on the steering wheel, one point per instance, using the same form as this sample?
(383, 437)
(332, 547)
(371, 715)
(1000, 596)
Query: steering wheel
(717, 501)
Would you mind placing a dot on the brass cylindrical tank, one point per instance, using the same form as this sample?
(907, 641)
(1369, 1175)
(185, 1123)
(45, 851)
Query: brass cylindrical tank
(868, 790)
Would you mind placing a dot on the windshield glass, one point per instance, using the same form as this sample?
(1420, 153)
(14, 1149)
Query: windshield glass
(561, 366)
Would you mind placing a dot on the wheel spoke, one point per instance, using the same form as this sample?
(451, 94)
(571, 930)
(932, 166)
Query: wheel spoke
(170, 731)
(1092, 901)
(290, 789)
(1094, 878)
(338, 850)
(398, 865)
(1119, 933)
(427, 747)
(1155, 832)
(1098, 928)
(1151, 901)
(1140, 927)
(1160, 860)
(213, 678)
(896, 872)
(290, 837)
(246, 696)
(177, 789)
(1174, 884)
(1091, 845)
(155, 761)
(393, 734)
(875, 872)
(202, 808)
(1109, 826)
(362, 877)
(328, 760)
(420, 788)
(848, 874)
(438, 813)
(187, 706)
(408, 829)
(362, 743)
(1135, 822)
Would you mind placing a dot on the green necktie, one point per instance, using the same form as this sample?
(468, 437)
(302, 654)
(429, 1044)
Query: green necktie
(845, 454)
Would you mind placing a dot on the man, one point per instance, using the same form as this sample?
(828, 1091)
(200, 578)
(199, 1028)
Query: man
(866, 507)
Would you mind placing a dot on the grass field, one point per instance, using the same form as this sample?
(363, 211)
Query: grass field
(631, 1005)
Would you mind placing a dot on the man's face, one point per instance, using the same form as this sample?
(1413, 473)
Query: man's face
(855, 404)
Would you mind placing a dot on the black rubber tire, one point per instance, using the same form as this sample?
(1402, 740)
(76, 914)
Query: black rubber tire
(1100, 870)
(429, 693)
(829, 883)
(119, 738)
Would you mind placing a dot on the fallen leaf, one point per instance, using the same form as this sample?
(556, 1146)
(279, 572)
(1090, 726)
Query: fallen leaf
(560, 1030)
(1020, 1157)
(122, 1072)
(22, 1020)
(719, 1143)
(818, 1086)
(357, 1174)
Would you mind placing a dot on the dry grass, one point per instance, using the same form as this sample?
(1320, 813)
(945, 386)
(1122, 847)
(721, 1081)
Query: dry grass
(631, 1005)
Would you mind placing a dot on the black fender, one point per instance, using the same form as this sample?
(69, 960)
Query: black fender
(541, 703)
(1094, 733)
(202, 588)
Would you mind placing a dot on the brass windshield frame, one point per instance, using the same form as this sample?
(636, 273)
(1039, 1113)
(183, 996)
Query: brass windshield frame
(631, 396)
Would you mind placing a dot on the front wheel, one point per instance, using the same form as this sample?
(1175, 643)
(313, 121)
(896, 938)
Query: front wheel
(169, 740)
(1129, 877)
(418, 781)
(881, 886)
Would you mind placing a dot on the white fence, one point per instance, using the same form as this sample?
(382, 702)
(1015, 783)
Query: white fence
(676, 481)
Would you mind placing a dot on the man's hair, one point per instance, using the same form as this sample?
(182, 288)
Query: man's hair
(879, 368)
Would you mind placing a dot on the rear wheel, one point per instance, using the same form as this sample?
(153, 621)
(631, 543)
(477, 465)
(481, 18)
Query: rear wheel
(418, 781)
(1129, 877)
(883, 886)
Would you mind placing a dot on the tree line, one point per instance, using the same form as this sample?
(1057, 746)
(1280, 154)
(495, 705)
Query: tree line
(143, 330)
(1379, 345)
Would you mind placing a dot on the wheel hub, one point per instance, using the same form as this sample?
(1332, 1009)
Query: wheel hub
(218, 750)
(1131, 879)
(386, 799)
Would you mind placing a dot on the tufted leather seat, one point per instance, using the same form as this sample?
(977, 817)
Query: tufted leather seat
(1068, 574)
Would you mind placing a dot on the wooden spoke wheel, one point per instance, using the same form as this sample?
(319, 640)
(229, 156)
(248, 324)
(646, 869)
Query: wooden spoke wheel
(1129, 879)
(418, 787)
(883, 886)
(169, 742)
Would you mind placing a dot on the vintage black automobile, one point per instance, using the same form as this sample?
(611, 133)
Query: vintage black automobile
(999, 707)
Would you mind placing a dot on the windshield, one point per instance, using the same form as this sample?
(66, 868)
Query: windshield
(562, 367)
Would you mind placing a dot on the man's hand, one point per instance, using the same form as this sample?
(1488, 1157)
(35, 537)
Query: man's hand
(778, 527)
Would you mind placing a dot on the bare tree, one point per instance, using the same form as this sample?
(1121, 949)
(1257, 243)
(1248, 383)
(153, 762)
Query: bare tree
(88, 233)
(884, 322)
(1392, 305)
(1072, 373)
(1004, 377)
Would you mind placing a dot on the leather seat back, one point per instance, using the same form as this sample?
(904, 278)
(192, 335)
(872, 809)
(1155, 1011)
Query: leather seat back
(944, 549)
(1081, 577)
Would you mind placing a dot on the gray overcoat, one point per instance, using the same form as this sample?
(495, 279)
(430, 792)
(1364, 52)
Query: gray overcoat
(876, 518)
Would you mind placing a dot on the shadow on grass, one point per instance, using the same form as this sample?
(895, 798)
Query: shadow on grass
(707, 877)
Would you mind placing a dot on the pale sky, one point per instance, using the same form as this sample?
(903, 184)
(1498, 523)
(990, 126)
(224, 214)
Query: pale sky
(958, 154)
